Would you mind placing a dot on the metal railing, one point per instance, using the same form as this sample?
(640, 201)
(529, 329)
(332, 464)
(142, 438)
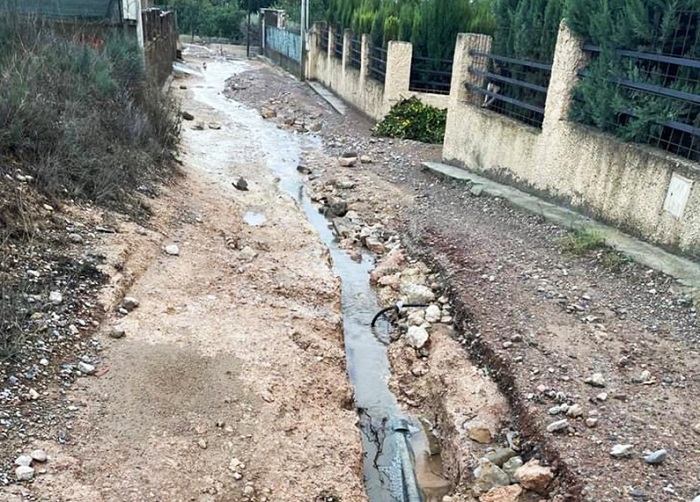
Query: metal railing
(323, 41)
(658, 100)
(338, 44)
(510, 86)
(355, 56)
(377, 63)
(431, 75)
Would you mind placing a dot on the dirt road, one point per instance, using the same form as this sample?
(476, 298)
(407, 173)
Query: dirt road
(230, 383)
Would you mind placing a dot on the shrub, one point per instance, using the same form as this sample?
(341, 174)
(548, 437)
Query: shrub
(83, 120)
(412, 119)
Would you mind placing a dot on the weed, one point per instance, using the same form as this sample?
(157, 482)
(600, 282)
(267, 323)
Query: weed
(615, 261)
(582, 241)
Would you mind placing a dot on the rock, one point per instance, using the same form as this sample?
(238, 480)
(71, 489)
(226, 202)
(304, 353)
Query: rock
(241, 185)
(374, 244)
(183, 87)
(622, 450)
(366, 159)
(24, 473)
(347, 161)
(535, 477)
(236, 465)
(172, 250)
(345, 184)
(87, 369)
(500, 456)
(187, 115)
(480, 435)
(417, 293)
(656, 457)
(56, 297)
(554, 410)
(117, 333)
(696, 428)
(416, 337)
(591, 422)
(268, 112)
(389, 265)
(488, 476)
(603, 396)
(248, 253)
(39, 456)
(433, 314)
(202, 444)
(416, 318)
(23, 460)
(303, 169)
(558, 426)
(198, 126)
(337, 207)
(129, 303)
(75, 238)
(214, 125)
(33, 394)
(476, 190)
(512, 465)
(503, 494)
(645, 376)
(575, 411)
(596, 380)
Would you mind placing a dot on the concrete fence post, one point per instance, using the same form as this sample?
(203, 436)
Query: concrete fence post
(466, 44)
(331, 45)
(313, 50)
(365, 57)
(569, 58)
(398, 73)
(347, 43)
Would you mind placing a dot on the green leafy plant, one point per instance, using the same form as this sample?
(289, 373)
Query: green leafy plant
(582, 241)
(412, 119)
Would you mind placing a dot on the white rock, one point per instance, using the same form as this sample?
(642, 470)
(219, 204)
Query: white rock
(129, 303)
(23, 460)
(39, 455)
(596, 380)
(76, 238)
(86, 368)
(44, 362)
(433, 314)
(24, 473)
(33, 394)
(248, 253)
(558, 426)
(417, 293)
(56, 297)
(622, 450)
(603, 396)
(575, 411)
(416, 337)
(172, 249)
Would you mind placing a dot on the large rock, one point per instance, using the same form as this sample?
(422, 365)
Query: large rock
(487, 477)
(480, 435)
(433, 314)
(24, 473)
(512, 466)
(500, 456)
(391, 264)
(417, 293)
(416, 337)
(535, 477)
(503, 494)
(622, 450)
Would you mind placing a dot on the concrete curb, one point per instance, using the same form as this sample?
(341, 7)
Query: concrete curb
(330, 98)
(685, 271)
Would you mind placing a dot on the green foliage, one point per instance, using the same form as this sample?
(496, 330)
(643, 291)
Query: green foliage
(412, 119)
(430, 25)
(654, 26)
(214, 18)
(582, 241)
(83, 120)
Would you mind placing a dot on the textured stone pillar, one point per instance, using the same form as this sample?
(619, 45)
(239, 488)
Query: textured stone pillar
(398, 73)
(463, 60)
(365, 58)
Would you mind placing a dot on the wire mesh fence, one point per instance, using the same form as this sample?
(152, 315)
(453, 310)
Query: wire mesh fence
(431, 75)
(377, 63)
(355, 56)
(511, 86)
(323, 40)
(646, 97)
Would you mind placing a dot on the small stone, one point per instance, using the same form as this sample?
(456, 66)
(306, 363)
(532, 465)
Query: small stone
(33, 394)
(480, 435)
(248, 253)
(591, 422)
(23, 460)
(507, 345)
(202, 444)
(575, 411)
(249, 490)
(187, 115)
(75, 238)
(214, 125)
(596, 380)
(129, 303)
(241, 184)
(603, 396)
(366, 159)
(696, 428)
(347, 161)
(39, 455)
(558, 426)
(512, 465)
(303, 169)
(554, 410)
(476, 190)
(56, 297)
(656, 457)
(117, 333)
(509, 493)
(268, 112)
(172, 250)
(44, 362)
(417, 293)
(86, 368)
(500, 456)
(416, 337)
(236, 465)
(645, 376)
(433, 314)
(535, 477)
(237, 476)
(488, 476)
(622, 450)
(24, 473)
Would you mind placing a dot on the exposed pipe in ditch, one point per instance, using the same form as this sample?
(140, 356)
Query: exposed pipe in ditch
(397, 308)
(411, 491)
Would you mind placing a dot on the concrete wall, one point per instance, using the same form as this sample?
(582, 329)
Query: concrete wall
(624, 184)
(357, 87)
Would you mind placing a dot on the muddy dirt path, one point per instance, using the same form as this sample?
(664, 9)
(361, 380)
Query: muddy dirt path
(230, 383)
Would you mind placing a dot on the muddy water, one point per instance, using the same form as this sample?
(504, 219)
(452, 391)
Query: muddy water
(387, 456)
